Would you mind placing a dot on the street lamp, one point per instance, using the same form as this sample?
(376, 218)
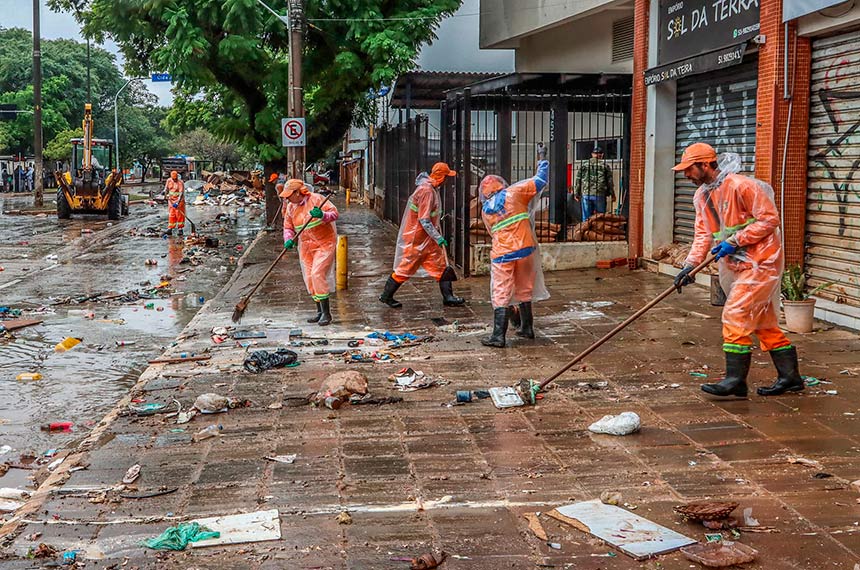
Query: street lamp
(116, 119)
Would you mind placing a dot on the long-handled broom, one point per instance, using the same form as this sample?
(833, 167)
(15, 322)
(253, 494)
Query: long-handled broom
(527, 389)
(243, 304)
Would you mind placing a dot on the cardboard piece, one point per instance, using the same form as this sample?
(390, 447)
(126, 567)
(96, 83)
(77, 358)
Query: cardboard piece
(258, 526)
(631, 534)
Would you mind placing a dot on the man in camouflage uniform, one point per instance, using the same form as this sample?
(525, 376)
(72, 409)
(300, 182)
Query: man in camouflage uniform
(593, 184)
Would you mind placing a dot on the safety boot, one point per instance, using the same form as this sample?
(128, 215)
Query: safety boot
(169, 232)
(325, 316)
(735, 382)
(181, 232)
(514, 316)
(788, 377)
(316, 317)
(500, 328)
(526, 328)
(387, 297)
(447, 288)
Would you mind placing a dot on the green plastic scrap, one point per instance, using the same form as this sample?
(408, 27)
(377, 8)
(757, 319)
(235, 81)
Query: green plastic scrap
(811, 380)
(716, 537)
(698, 375)
(178, 537)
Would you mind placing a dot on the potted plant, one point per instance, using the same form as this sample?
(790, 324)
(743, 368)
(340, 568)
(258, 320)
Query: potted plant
(796, 303)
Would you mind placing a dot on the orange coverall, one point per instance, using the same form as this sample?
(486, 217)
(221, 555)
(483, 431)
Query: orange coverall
(742, 208)
(317, 244)
(416, 249)
(175, 190)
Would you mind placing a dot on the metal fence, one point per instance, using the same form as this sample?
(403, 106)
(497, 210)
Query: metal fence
(402, 152)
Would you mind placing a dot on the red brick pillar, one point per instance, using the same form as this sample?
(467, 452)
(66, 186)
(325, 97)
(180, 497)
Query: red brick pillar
(773, 118)
(637, 128)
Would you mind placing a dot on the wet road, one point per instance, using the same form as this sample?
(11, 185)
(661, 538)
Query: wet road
(45, 259)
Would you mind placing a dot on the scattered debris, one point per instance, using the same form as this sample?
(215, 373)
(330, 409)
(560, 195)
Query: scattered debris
(146, 408)
(635, 536)
(357, 400)
(67, 343)
(344, 518)
(215, 403)
(535, 525)
(611, 498)
(707, 510)
(409, 380)
(288, 459)
(720, 554)
(132, 474)
(259, 526)
(803, 461)
(43, 551)
(623, 424)
(506, 397)
(748, 518)
(262, 360)
(180, 359)
(25, 376)
(212, 430)
(427, 561)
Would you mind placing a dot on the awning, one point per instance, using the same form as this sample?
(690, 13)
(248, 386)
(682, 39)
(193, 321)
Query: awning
(426, 89)
(717, 59)
(792, 9)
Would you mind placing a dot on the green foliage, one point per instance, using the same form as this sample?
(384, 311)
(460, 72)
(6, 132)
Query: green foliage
(794, 284)
(59, 148)
(230, 59)
(204, 146)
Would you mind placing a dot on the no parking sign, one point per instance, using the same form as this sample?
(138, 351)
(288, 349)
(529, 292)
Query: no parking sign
(293, 132)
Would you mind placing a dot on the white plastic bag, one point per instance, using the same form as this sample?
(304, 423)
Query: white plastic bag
(623, 424)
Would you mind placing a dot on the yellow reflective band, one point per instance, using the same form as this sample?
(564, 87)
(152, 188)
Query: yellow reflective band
(510, 221)
(414, 208)
(313, 224)
(732, 230)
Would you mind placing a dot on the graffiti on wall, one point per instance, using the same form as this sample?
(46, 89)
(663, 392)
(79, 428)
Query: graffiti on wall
(836, 154)
(707, 118)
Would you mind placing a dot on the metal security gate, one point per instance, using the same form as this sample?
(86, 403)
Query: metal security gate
(718, 108)
(833, 195)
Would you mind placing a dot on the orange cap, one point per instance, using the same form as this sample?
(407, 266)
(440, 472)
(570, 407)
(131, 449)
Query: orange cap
(174, 174)
(696, 152)
(439, 172)
(292, 186)
(491, 184)
(273, 177)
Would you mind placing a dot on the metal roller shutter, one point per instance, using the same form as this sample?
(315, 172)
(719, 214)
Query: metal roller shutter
(718, 108)
(833, 195)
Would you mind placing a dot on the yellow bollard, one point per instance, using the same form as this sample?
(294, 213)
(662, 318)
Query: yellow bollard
(347, 196)
(342, 263)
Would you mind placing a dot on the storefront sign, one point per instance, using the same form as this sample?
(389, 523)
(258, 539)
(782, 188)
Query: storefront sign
(717, 59)
(689, 28)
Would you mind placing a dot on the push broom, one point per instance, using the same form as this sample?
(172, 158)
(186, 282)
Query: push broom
(525, 391)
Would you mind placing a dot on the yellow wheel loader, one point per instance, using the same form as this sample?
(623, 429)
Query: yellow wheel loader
(90, 186)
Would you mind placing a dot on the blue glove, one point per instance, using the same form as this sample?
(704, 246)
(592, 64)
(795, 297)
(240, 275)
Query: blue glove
(316, 212)
(723, 249)
(175, 205)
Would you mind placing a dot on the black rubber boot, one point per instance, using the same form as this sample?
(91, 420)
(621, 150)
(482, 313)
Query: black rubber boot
(325, 317)
(169, 233)
(316, 318)
(181, 232)
(387, 297)
(788, 376)
(447, 288)
(526, 328)
(735, 382)
(500, 328)
(514, 316)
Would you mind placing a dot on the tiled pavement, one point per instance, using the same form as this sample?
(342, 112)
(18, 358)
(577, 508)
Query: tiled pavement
(418, 475)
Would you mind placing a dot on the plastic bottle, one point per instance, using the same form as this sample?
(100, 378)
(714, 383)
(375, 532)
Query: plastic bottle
(29, 376)
(68, 342)
(57, 426)
(210, 431)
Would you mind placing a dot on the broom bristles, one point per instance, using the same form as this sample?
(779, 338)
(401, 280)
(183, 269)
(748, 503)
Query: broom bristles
(239, 311)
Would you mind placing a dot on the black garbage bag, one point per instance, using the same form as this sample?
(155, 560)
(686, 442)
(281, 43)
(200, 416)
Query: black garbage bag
(261, 360)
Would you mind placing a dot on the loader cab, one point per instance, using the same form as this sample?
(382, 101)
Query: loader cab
(102, 159)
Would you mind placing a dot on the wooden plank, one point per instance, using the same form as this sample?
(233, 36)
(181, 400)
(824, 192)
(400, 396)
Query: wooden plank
(177, 360)
(15, 324)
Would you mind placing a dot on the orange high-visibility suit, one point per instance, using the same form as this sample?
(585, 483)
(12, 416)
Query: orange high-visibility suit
(317, 244)
(175, 191)
(508, 213)
(418, 245)
(743, 208)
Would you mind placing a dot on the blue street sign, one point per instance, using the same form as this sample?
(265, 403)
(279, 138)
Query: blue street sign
(161, 77)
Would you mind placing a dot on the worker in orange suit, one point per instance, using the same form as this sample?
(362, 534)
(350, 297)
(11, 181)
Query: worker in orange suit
(420, 245)
(317, 243)
(174, 189)
(515, 268)
(737, 220)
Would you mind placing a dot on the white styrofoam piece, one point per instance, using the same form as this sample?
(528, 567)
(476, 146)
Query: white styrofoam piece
(247, 527)
(630, 533)
(506, 397)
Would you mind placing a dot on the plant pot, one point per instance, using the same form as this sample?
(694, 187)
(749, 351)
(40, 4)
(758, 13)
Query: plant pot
(799, 315)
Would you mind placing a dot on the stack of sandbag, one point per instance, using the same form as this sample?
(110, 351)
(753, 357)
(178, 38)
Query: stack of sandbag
(601, 227)
(546, 231)
(675, 254)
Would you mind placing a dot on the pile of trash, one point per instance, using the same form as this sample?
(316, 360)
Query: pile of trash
(601, 227)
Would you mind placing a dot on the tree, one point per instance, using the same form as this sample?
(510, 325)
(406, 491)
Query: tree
(235, 54)
(204, 146)
(60, 147)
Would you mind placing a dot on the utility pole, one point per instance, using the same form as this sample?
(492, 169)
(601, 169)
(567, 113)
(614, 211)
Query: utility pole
(38, 182)
(296, 155)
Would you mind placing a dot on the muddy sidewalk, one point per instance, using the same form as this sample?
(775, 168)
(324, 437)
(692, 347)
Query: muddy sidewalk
(424, 474)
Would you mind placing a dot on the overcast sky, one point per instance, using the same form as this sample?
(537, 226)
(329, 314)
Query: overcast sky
(455, 50)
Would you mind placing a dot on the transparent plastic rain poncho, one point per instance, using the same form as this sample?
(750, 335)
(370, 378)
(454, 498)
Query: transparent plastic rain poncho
(317, 244)
(418, 251)
(508, 212)
(743, 208)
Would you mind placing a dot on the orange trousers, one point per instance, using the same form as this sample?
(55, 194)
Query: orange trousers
(750, 310)
(176, 216)
(512, 281)
(317, 260)
(432, 259)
